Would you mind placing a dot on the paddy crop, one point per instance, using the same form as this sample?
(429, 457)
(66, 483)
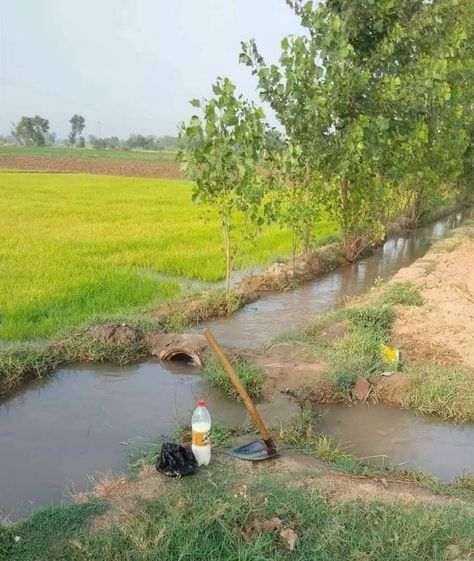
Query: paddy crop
(76, 248)
(88, 153)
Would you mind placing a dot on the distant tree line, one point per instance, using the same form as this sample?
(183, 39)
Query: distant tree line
(134, 142)
(34, 131)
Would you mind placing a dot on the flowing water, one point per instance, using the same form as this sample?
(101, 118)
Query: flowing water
(87, 420)
(391, 436)
(276, 313)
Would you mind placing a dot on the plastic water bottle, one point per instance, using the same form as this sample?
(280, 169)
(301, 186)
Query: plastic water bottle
(201, 428)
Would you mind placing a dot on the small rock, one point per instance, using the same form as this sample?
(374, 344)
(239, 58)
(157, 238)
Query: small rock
(452, 552)
(272, 524)
(289, 538)
(361, 389)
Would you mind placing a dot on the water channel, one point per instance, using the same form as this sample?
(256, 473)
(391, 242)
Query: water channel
(87, 420)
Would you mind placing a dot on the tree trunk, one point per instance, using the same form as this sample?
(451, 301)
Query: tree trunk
(344, 206)
(228, 254)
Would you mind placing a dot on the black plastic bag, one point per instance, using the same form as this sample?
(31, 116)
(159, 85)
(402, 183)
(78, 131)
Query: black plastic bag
(176, 460)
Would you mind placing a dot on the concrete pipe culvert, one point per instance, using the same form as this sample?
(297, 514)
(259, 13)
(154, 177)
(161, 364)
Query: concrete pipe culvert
(181, 355)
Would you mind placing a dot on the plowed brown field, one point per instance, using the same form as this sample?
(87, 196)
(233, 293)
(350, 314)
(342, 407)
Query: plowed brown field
(164, 170)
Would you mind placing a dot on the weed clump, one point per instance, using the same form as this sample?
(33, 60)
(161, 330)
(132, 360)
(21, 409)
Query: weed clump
(448, 393)
(302, 434)
(403, 293)
(25, 363)
(378, 319)
(250, 376)
(179, 316)
(358, 352)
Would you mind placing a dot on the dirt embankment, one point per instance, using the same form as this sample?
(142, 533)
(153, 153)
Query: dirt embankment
(100, 166)
(440, 332)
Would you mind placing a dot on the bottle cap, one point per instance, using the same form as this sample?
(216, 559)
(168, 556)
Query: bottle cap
(201, 403)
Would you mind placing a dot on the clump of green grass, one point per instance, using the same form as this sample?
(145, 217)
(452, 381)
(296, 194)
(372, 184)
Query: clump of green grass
(465, 481)
(220, 434)
(462, 487)
(47, 533)
(80, 346)
(17, 365)
(302, 434)
(179, 316)
(250, 376)
(373, 318)
(446, 392)
(358, 353)
(322, 322)
(403, 293)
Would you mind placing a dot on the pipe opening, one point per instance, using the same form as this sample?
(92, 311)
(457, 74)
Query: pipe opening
(180, 355)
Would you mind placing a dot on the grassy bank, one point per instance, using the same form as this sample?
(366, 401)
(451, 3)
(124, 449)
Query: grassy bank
(355, 351)
(75, 248)
(224, 514)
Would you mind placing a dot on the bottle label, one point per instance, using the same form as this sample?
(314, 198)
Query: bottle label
(201, 438)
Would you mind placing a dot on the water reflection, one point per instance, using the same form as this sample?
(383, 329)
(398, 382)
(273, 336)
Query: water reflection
(276, 313)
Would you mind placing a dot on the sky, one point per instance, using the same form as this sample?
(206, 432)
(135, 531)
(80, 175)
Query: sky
(128, 66)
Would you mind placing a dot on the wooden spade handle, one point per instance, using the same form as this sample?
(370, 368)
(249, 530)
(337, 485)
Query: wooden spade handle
(242, 391)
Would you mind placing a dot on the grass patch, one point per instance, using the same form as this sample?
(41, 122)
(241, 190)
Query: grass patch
(465, 481)
(376, 318)
(302, 434)
(76, 248)
(179, 316)
(17, 365)
(448, 393)
(403, 293)
(220, 435)
(462, 487)
(250, 376)
(358, 353)
(47, 534)
(212, 516)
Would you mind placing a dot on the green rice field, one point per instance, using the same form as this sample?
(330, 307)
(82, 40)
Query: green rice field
(88, 153)
(77, 248)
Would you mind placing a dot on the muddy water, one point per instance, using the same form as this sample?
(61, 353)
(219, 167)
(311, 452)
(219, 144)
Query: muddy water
(86, 421)
(397, 438)
(260, 322)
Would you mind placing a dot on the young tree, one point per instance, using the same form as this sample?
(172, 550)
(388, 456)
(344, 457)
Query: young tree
(221, 151)
(78, 124)
(289, 89)
(31, 130)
